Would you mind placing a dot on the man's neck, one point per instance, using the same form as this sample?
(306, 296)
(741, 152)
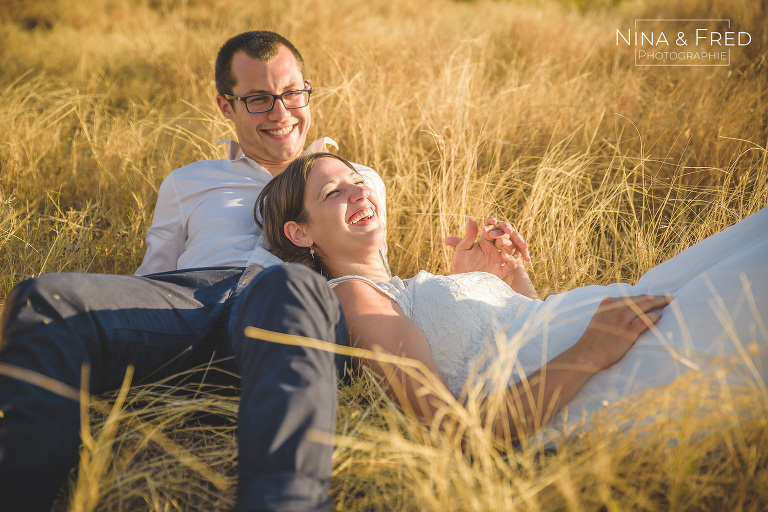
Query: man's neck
(272, 168)
(274, 171)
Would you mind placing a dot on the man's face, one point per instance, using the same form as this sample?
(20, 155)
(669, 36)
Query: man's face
(276, 137)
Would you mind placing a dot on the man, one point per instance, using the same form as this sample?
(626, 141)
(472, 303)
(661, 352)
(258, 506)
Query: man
(204, 279)
(204, 212)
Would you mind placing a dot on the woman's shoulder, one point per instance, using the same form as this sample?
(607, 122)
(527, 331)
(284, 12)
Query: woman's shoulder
(359, 296)
(359, 285)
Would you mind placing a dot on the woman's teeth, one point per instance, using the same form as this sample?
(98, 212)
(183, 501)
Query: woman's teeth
(365, 213)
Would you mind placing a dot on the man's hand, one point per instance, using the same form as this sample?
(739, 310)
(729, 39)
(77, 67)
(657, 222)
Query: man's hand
(505, 239)
(496, 252)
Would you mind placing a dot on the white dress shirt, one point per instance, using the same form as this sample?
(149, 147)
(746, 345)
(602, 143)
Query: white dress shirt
(204, 215)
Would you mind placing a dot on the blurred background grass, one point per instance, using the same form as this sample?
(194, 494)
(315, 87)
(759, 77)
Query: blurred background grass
(525, 109)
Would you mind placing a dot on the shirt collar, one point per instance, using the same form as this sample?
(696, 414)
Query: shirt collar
(235, 151)
(236, 154)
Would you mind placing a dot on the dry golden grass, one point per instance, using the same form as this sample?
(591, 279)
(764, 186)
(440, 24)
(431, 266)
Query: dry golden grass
(527, 110)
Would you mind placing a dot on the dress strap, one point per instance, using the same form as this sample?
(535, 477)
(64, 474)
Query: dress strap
(337, 281)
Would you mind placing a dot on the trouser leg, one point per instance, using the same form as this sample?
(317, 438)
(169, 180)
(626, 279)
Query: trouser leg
(55, 323)
(287, 392)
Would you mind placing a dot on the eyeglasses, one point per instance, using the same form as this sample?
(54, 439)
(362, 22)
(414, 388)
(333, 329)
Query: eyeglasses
(258, 103)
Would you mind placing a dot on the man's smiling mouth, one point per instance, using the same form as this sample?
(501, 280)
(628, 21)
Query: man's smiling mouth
(281, 131)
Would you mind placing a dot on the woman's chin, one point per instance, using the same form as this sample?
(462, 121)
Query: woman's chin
(365, 245)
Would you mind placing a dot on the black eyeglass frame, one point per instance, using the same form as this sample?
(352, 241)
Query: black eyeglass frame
(274, 97)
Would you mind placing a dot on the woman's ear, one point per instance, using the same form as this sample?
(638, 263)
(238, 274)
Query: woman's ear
(297, 234)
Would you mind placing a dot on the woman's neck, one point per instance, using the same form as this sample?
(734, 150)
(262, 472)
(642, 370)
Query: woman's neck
(373, 268)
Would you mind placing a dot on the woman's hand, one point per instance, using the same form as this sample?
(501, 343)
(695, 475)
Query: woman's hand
(498, 251)
(615, 327)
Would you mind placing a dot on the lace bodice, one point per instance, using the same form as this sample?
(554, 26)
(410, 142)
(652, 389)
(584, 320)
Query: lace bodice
(458, 314)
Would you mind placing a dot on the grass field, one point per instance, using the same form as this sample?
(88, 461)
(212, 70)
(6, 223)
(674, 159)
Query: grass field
(524, 109)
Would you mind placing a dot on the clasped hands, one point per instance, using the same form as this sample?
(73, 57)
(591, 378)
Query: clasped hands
(613, 329)
(499, 250)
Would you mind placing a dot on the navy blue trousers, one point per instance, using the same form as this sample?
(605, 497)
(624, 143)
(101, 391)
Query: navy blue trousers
(163, 324)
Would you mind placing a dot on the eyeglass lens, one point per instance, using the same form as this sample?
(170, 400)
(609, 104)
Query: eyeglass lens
(291, 99)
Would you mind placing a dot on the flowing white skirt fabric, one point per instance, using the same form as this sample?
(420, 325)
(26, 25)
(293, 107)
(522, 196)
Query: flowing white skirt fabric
(717, 321)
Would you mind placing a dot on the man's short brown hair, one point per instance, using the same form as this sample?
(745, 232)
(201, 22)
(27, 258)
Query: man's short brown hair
(260, 45)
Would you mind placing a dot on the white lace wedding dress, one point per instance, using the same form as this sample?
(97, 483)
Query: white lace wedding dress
(720, 308)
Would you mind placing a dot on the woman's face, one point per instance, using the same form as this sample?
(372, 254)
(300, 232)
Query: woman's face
(343, 211)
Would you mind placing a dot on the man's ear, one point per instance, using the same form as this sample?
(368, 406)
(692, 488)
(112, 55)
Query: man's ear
(297, 234)
(225, 107)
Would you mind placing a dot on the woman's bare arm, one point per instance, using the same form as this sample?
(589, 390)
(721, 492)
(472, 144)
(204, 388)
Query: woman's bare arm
(376, 322)
(519, 280)
(611, 332)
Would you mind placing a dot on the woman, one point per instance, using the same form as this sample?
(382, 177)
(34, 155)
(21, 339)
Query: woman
(572, 348)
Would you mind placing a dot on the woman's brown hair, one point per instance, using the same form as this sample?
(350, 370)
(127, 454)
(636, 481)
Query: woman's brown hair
(281, 201)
